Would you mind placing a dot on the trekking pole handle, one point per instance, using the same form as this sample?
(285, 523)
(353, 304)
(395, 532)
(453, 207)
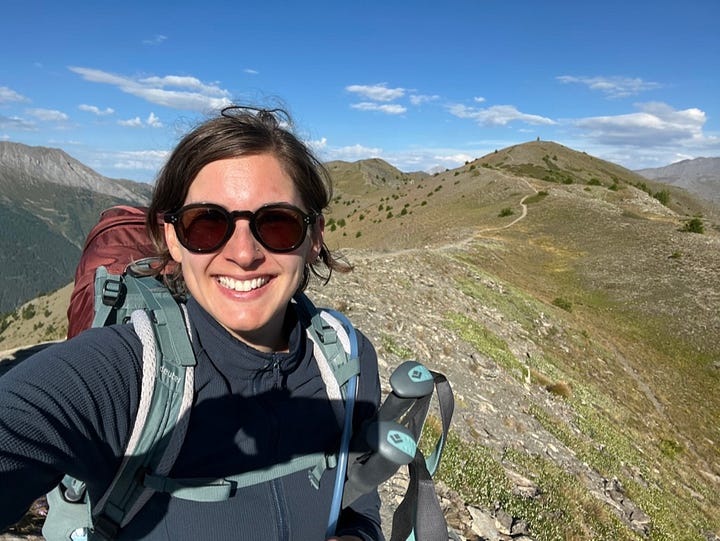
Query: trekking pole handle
(392, 445)
(410, 381)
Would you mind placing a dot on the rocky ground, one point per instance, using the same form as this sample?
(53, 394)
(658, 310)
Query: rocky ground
(399, 300)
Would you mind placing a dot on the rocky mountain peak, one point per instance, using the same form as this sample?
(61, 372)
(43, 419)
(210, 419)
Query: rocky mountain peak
(35, 165)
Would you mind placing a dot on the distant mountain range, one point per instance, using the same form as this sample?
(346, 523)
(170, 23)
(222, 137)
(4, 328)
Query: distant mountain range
(48, 203)
(700, 176)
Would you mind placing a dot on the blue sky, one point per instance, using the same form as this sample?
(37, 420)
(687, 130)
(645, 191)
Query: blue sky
(423, 85)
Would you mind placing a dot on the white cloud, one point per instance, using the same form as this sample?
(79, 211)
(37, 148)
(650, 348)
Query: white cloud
(317, 145)
(655, 124)
(16, 123)
(356, 152)
(431, 160)
(154, 121)
(155, 40)
(419, 99)
(148, 160)
(654, 136)
(378, 92)
(348, 153)
(47, 115)
(251, 71)
(8, 95)
(497, 115)
(192, 83)
(131, 122)
(95, 110)
(191, 94)
(388, 108)
(479, 99)
(457, 159)
(612, 87)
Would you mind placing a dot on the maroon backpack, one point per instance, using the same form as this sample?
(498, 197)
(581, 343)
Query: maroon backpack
(118, 239)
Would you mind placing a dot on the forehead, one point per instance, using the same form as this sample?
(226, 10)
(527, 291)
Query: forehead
(245, 182)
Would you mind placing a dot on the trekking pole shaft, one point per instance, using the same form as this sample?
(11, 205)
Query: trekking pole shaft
(394, 407)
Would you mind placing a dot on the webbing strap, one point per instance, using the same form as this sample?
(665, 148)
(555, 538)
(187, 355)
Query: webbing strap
(107, 294)
(215, 490)
(419, 515)
(170, 323)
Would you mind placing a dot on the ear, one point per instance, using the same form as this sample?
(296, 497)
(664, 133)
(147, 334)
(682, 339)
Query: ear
(316, 238)
(172, 243)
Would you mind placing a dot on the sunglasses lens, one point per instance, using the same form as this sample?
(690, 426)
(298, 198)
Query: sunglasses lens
(280, 229)
(203, 229)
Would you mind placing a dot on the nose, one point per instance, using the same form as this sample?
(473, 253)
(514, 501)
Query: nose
(243, 248)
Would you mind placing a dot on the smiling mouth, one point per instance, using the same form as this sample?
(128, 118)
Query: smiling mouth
(242, 285)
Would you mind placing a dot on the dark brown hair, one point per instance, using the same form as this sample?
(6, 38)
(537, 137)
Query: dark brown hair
(236, 132)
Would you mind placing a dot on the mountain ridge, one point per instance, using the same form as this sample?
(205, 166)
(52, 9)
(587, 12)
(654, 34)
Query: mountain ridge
(37, 165)
(48, 203)
(699, 175)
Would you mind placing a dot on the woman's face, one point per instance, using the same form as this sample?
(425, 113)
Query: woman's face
(245, 287)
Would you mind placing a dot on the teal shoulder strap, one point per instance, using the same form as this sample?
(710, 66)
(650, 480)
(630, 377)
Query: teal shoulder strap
(331, 338)
(165, 401)
(163, 413)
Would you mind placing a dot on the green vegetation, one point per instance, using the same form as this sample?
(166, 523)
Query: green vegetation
(663, 196)
(559, 509)
(507, 211)
(562, 303)
(542, 194)
(390, 345)
(694, 225)
(484, 340)
(28, 311)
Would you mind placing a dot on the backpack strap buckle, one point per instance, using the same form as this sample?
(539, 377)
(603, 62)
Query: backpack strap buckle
(112, 290)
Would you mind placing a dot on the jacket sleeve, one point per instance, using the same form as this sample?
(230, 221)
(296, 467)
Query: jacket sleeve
(65, 410)
(362, 517)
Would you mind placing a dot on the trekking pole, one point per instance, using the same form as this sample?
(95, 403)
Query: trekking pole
(391, 445)
(409, 382)
(384, 443)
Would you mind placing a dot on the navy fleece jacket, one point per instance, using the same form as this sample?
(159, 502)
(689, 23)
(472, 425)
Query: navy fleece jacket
(69, 409)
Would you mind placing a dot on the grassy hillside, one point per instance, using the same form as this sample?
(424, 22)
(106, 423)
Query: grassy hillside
(638, 293)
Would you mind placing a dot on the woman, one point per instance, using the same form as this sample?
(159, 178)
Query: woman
(242, 201)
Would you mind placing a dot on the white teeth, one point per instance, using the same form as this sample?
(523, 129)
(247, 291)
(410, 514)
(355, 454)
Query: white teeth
(242, 285)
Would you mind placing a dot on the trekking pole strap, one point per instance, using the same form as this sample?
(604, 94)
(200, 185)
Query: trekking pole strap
(419, 515)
